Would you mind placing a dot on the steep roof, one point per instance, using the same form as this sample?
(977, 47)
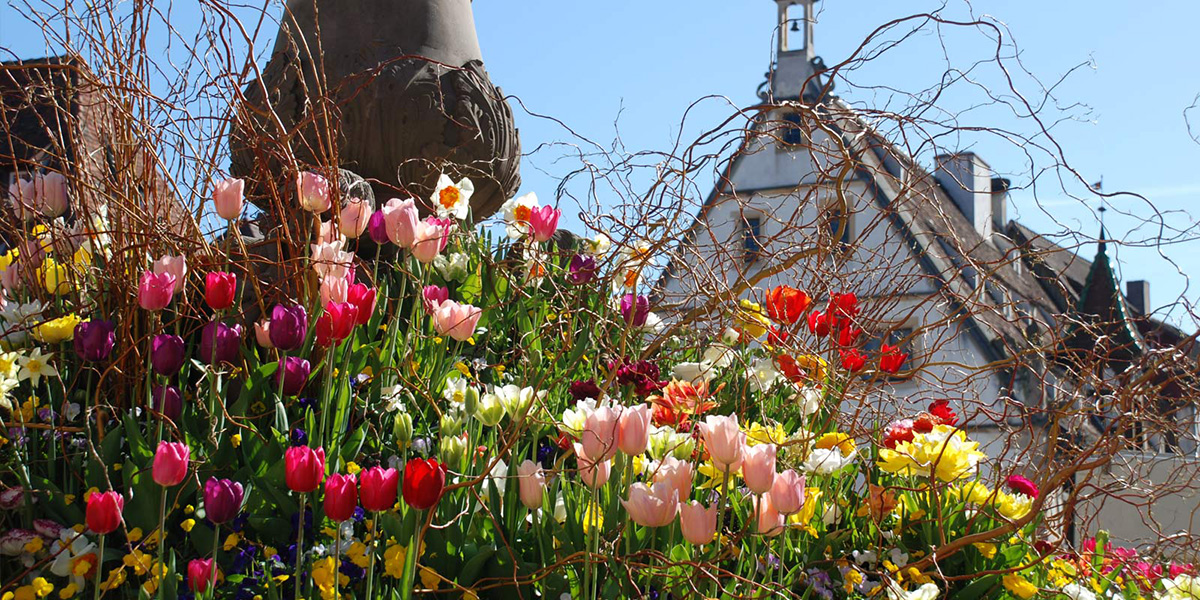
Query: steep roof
(1099, 323)
(980, 277)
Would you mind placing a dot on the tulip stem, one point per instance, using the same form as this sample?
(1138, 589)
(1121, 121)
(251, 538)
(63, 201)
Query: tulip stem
(99, 567)
(410, 558)
(212, 578)
(162, 542)
(300, 545)
(371, 565)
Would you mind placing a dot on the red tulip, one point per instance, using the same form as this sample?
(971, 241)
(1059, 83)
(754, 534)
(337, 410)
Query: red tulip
(200, 574)
(377, 488)
(363, 299)
(890, 358)
(304, 468)
(104, 512)
(341, 497)
(853, 360)
(336, 323)
(848, 334)
(941, 410)
(170, 463)
(423, 483)
(219, 289)
(843, 306)
(819, 323)
(785, 304)
(778, 337)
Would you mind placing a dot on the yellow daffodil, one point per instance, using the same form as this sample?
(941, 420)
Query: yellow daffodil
(1019, 586)
(944, 452)
(1013, 506)
(843, 442)
(751, 319)
(987, 549)
(56, 277)
(758, 433)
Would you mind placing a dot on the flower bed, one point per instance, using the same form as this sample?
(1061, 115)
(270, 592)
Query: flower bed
(481, 417)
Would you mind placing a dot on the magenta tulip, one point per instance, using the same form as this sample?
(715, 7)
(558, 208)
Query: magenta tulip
(304, 468)
(170, 463)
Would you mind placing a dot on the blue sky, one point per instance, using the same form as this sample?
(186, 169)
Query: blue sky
(636, 67)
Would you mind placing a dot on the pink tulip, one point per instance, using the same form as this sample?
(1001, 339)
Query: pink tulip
(23, 196)
(155, 291)
(328, 233)
(433, 296)
(175, 265)
(543, 222)
(228, 198)
(170, 463)
(698, 524)
(725, 441)
(334, 289)
(354, 218)
(594, 473)
(758, 467)
(770, 522)
(599, 436)
(313, 191)
(400, 218)
(634, 429)
(533, 483)
(262, 333)
(429, 239)
(653, 506)
(456, 320)
(329, 260)
(52, 198)
(676, 472)
(787, 493)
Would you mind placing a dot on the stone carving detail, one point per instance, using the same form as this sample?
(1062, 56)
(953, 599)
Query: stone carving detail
(401, 85)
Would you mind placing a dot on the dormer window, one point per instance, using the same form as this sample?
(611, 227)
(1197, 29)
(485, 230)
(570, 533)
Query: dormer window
(752, 238)
(838, 217)
(793, 133)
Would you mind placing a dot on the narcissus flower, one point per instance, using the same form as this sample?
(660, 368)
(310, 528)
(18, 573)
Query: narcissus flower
(58, 330)
(452, 199)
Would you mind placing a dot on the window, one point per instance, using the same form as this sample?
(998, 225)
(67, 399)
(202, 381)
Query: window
(751, 238)
(793, 133)
(891, 338)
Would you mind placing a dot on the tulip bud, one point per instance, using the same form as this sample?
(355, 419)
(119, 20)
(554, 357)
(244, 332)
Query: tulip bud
(451, 424)
(228, 197)
(533, 484)
(222, 500)
(304, 468)
(471, 401)
(453, 449)
(424, 481)
(491, 410)
(200, 574)
(402, 428)
(341, 497)
(377, 488)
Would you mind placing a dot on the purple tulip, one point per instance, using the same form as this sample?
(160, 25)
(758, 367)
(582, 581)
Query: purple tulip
(220, 343)
(94, 340)
(582, 269)
(168, 402)
(166, 354)
(222, 500)
(295, 372)
(635, 309)
(377, 228)
(289, 325)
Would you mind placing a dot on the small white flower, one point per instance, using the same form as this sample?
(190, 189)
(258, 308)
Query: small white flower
(517, 400)
(866, 558)
(452, 199)
(809, 400)
(826, 461)
(574, 419)
(762, 375)
(598, 246)
(452, 267)
(499, 476)
(1074, 591)
(393, 398)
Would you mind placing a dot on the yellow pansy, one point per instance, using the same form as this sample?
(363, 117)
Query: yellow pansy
(138, 561)
(353, 468)
(41, 587)
(34, 546)
(187, 524)
(393, 561)
(639, 464)
(429, 578)
(68, 592)
(358, 554)
(57, 330)
(236, 440)
(844, 443)
(231, 542)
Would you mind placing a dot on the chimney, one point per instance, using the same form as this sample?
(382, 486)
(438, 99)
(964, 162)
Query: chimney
(1000, 203)
(968, 182)
(1137, 296)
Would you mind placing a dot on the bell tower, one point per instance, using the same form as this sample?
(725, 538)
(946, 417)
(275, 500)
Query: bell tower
(794, 54)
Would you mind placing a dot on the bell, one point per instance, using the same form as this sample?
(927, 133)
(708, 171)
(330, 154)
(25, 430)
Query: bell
(395, 89)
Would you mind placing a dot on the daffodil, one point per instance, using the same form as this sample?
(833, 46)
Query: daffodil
(57, 330)
(1019, 586)
(55, 277)
(944, 452)
(757, 433)
(35, 366)
(452, 199)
